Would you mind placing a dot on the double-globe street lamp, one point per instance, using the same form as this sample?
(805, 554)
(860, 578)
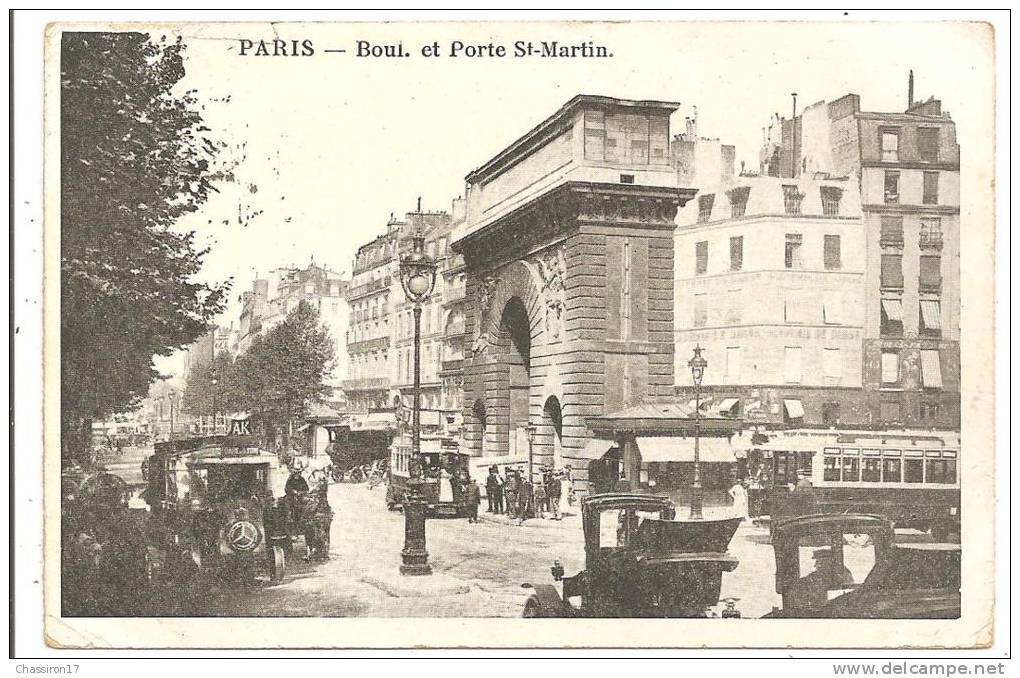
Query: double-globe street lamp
(418, 277)
(697, 365)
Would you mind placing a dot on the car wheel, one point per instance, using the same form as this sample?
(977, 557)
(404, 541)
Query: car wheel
(532, 610)
(277, 564)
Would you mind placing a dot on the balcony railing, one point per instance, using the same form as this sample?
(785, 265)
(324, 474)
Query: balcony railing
(368, 288)
(369, 384)
(930, 241)
(368, 345)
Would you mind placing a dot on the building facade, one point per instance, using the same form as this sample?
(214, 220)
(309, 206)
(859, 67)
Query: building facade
(907, 166)
(568, 251)
(770, 276)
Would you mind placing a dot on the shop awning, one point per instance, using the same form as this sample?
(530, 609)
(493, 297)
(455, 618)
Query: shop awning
(596, 447)
(676, 449)
(727, 405)
(930, 314)
(794, 409)
(893, 309)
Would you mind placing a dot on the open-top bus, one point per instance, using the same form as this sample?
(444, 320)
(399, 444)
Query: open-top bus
(444, 470)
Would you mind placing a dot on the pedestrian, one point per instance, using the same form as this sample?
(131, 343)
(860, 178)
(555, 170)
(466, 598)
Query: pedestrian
(738, 498)
(554, 492)
(524, 500)
(568, 479)
(540, 500)
(472, 498)
(492, 488)
(510, 491)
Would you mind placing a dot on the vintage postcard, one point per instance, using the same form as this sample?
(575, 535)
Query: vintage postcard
(563, 334)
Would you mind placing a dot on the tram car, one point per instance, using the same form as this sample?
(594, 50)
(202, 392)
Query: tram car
(911, 478)
(214, 501)
(444, 471)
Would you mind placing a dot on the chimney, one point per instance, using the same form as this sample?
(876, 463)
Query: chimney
(910, 89)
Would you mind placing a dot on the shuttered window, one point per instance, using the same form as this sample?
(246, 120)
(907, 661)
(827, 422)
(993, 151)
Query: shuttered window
(892, 271)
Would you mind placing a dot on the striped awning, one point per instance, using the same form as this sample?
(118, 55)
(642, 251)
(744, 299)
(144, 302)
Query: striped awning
(931, 314)
(893, 309)
(727, 405)
(794, 408)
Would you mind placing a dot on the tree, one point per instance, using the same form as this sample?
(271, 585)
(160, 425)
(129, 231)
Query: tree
(135, 157)
(284, 371)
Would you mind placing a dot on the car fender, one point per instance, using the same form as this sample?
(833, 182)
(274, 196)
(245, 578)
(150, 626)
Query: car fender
(548, 600)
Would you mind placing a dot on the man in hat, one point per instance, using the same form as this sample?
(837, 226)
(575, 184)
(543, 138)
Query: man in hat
(551, 481)
(472, 498)
(494, 490)
(510, 492)
(525, 497)
(813, 590)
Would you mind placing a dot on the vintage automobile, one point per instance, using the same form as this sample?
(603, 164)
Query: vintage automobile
(640, 562)
(214, 503)
(861, 572)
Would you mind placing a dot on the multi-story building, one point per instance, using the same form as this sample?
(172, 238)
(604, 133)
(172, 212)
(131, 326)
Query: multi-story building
(380, 340)
(908, 168)
(271, 298)
(770, 283)
(454, 332)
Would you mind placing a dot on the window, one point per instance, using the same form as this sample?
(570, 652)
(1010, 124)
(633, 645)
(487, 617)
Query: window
(705, 203)
(831, 465)
(892, 471)
(794, 307)
(738, 201)
(890, 412)
(890, 141)
(913, 470)
(793, 245)
(892, 231)
(594, 135)
(830, 412)
(930, 274)
(930, 234)
(940, 471)
(832, 366)
(791, 365)
(832, 309)
(892, 187)
(792, 199)
(890, 367)
(831, 195)
(892, 317)
(871, 469)
(931, 188)
(931, 369)
(733, 364)
(930, 410)
(700, 257)
(700, 310)
(930, 318)
(892, 271)
(832, 253)
(736, 253)
(928, 144)
(851, 466)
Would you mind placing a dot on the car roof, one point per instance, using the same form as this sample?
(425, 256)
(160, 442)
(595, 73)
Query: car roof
(621, 500)
(822, 523)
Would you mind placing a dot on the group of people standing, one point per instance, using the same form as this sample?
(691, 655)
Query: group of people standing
(515, 495)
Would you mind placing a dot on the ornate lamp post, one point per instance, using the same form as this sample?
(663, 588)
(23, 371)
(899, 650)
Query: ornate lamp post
(418, 277)
(697, 365)
(531, 429)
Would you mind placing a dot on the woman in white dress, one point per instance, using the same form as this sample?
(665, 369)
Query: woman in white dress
(566, 488)
(445, 486)
(738, 496)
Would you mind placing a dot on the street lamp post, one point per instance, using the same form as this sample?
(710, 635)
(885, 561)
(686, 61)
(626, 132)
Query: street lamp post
(418, 277)
(697, 365)
(531, 429)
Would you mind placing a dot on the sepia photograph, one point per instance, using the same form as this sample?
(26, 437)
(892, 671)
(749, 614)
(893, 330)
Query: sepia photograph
(460, 325)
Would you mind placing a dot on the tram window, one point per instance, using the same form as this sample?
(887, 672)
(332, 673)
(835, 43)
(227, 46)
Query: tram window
(830, 472)
(940, 471)
(913, 470)
(806, 462)
(871, 471)
(891, 472)
(851, 469)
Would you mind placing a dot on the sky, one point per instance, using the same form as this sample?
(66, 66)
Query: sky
(332, 144)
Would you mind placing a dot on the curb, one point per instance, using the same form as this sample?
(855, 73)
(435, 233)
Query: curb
(432, 586)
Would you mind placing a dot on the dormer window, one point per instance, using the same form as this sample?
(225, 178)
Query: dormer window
(705, 203)
(738, 201)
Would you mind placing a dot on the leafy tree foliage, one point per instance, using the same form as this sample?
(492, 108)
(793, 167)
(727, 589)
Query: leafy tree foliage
(201, 396)
(135, 157)
(283, 373)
